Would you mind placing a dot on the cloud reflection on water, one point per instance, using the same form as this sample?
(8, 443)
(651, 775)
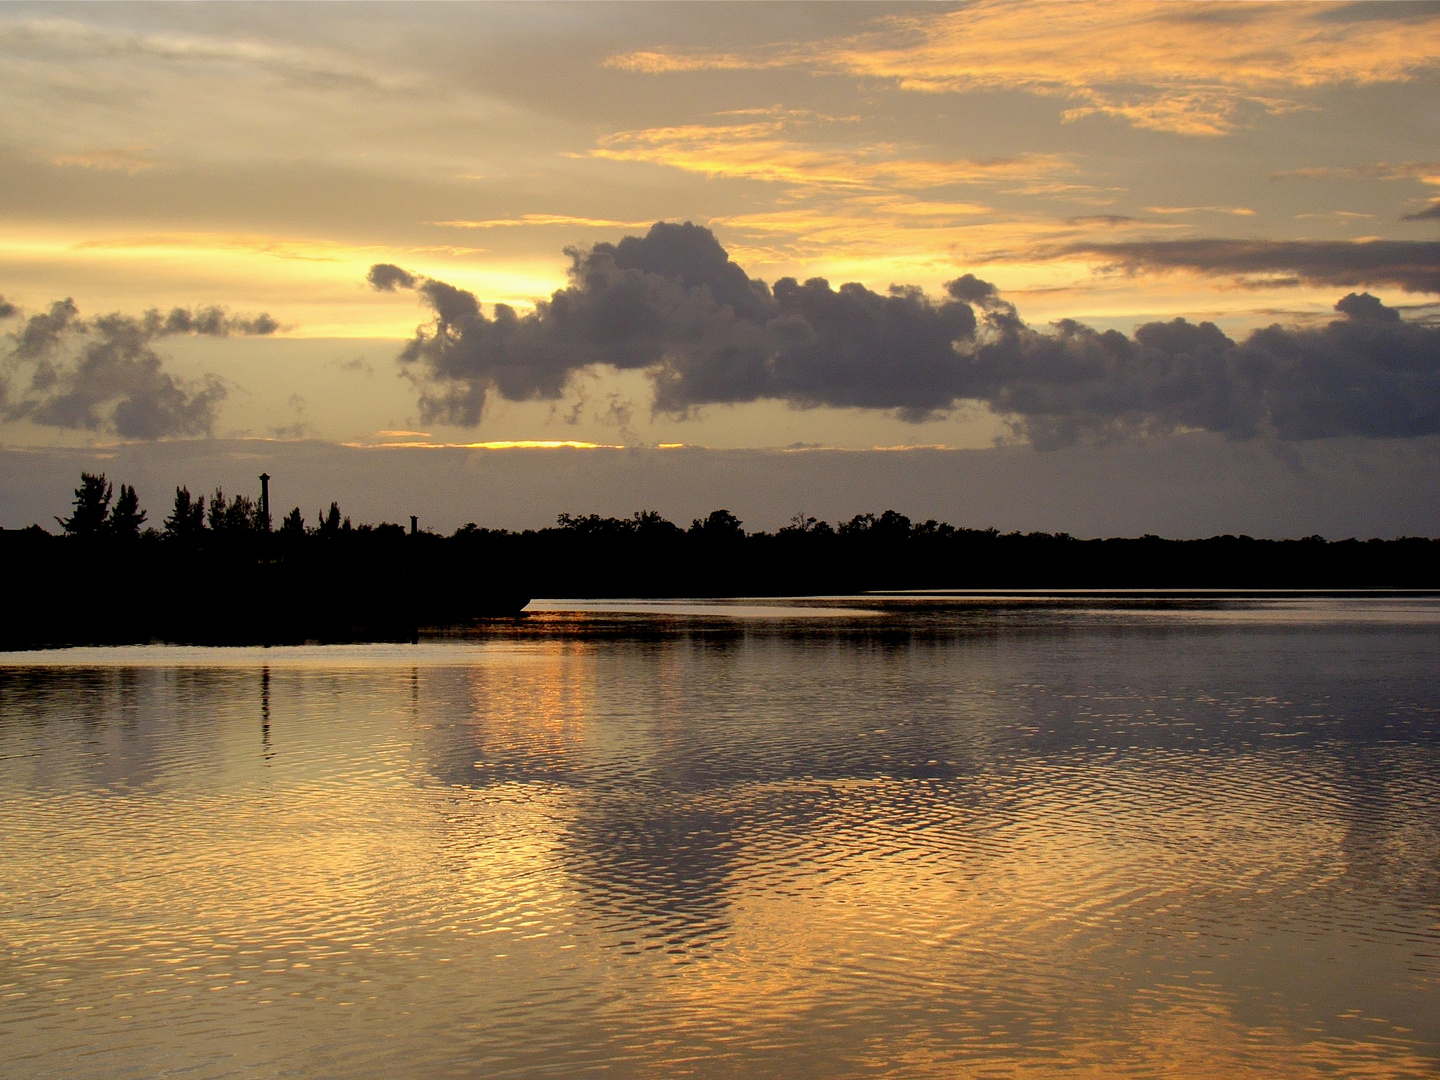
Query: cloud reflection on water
(1117, 847)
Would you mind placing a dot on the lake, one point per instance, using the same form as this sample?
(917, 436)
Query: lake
(857, 837)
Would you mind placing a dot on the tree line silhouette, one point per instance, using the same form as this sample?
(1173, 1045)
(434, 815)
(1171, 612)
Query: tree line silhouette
(646, 555)
(109, 576)
(215, 571)
(93, 516)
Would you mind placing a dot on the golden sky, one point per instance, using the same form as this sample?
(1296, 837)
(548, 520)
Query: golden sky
(262, 158)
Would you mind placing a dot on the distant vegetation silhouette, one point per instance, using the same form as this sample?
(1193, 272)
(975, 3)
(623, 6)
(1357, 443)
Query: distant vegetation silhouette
(216, 570)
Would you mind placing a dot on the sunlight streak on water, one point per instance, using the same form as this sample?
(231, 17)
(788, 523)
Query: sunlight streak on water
(934, 840)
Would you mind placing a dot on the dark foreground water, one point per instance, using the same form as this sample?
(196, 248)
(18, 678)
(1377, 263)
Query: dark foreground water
(927, 839)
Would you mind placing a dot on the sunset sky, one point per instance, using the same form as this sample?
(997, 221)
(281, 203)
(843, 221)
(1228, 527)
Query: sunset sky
(1097, 170)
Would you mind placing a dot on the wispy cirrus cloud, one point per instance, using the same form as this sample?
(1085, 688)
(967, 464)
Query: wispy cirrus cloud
(1427, 172)
(43, 39)
(98, 89)
(800, 151)
(292, 248)
(884, 236)
(279, 247)
(844, 198)
(536, 221)
(500, 444)
(1238, 211)
(130, 160)
(1187, 68)
(1410, 265)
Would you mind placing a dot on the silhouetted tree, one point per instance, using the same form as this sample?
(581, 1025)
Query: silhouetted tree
(802, 526)
(237, 516)
(650, 525)
(329, 521)
(891, 526)
(860, 523)
(646, 523)
(799, 523)
(294, 523)
(126, 517)
(588, 524)
(218, 506)
(720, 525)
(242, 515)
(187, 516)
(92, 506)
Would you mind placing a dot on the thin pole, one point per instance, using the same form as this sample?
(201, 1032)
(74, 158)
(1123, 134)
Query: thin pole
(265, 501)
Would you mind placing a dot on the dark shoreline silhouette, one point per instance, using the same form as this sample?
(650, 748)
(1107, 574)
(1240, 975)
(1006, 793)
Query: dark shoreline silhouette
(220, 574)
(369, 586)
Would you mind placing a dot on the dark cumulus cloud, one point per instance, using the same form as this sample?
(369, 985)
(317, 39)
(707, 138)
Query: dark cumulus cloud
(1409, 265)
(72, 373)
(386, 277)
(674, 305)
(1430, 213)
(1368, 373)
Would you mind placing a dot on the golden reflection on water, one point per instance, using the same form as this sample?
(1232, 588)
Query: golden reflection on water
(1189, 854)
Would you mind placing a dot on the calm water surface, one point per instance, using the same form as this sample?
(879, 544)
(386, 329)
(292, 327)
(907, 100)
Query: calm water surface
(852, 838)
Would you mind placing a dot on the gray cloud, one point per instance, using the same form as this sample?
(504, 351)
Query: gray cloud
(384, 277)
(1430, 213)
(41, 333)
(7, 309)
(113, 379)
(674, 305)
(208, 322)
(1409, 265)
(1368, 374)
(1366, 307)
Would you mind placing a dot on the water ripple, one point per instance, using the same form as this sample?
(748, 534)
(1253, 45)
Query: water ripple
(932, 841)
